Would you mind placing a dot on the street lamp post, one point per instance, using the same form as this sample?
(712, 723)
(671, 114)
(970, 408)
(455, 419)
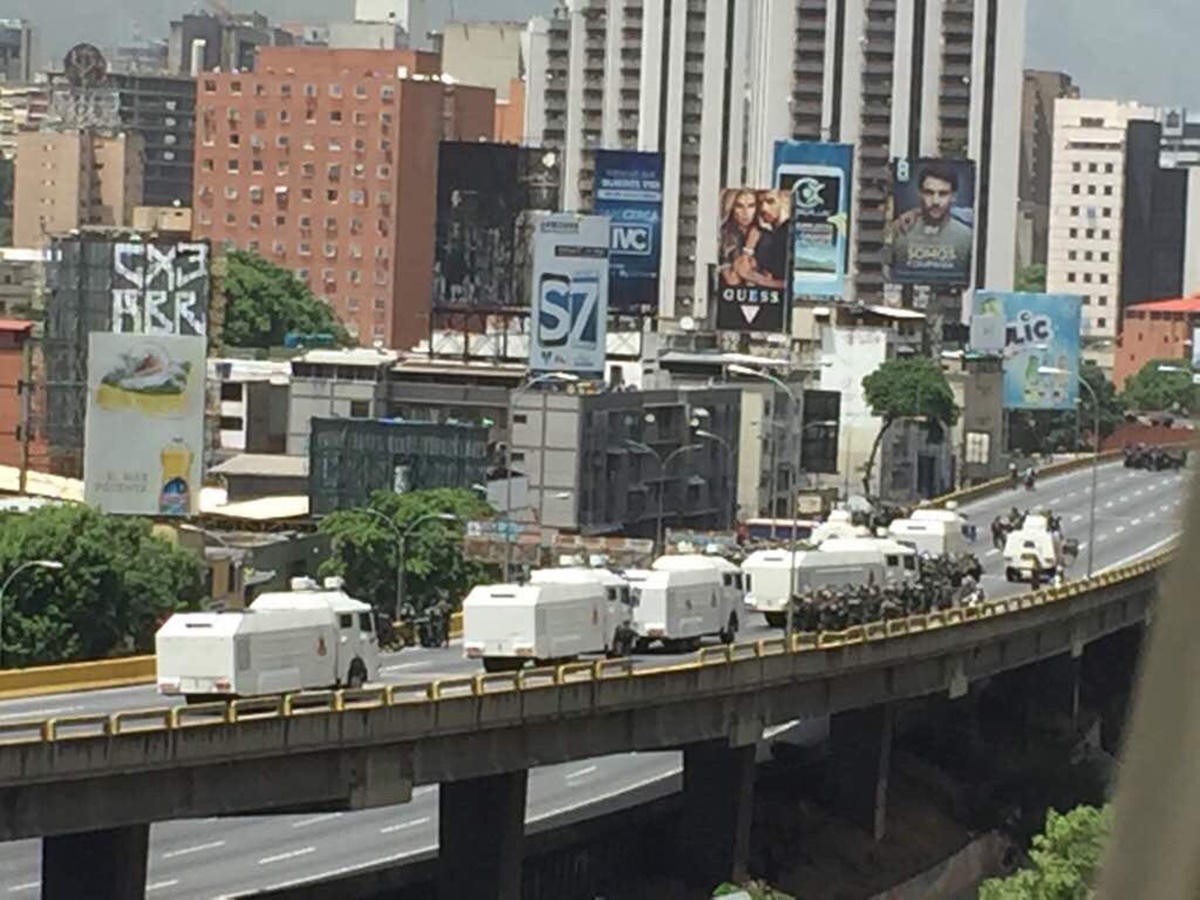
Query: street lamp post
(663, 464)
(716, 438)
(31, 564)
(401, 540)
(1050, 370)
(514, 395)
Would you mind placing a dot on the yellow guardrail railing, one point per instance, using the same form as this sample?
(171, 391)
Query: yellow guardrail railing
(64, 728)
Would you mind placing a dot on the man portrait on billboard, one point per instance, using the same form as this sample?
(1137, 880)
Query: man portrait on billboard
(927, 239)
(754, 235)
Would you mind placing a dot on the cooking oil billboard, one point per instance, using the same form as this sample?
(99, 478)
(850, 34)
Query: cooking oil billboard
(144, 435)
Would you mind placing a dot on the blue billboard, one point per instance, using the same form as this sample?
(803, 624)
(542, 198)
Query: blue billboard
(817, 179)
(628, 189)
(1041, 345)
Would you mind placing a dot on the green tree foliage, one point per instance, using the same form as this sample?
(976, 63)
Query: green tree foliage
(907, 387)
(264, 302)
(365, 548)
(1161, 384)
(1031, 279)
(117, 582)
(1065, 859)
(1049, 431)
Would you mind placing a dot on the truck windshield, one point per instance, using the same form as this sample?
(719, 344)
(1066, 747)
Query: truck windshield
(365, 622)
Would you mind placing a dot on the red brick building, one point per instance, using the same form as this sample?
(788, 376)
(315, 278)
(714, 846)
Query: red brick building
(1160, 329)
(324, 161)
(14, 335)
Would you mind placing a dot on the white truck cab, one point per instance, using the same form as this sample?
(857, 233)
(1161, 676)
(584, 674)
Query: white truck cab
(1032, 551)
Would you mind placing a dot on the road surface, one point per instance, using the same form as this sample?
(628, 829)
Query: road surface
(1136, 513)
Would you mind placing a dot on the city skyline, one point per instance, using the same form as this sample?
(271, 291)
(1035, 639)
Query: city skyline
(1111, 48)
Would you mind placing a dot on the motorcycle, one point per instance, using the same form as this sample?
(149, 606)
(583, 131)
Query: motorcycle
(1030, 482)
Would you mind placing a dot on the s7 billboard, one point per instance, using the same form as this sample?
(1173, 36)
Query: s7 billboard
(817, 178)
(570, 293)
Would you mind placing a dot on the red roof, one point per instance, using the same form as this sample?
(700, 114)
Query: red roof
(1182, 305)
(16, 325)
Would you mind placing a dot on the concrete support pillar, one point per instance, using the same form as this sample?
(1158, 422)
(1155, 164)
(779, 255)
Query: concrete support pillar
(109, 864)
(718, 806)
(481, 836)
(1058, 686)
(861, 743)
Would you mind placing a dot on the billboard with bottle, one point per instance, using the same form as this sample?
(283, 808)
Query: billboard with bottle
(144, 434)
(1041, 346)
(570, 293)
(817, 178)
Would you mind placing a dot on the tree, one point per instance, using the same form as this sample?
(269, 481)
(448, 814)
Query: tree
(907, 387)
(264, 302)
(1161, 384)
(365, 548)
(117, 582)
(1066, 859)
(1053, 431)
(1031, 279)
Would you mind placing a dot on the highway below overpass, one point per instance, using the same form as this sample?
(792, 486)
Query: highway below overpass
(1137, 512)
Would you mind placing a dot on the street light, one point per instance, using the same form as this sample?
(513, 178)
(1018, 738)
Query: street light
(401, 537)
(663, 464)
(31, 564)
(710, 436)
(737, 369)
(1054, 371)
(545, 378)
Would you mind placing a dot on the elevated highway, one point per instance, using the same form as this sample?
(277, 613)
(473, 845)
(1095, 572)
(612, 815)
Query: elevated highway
(478, 729)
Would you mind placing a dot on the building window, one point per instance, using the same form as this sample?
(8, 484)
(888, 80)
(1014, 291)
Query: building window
(1074, 210)
(387, 93)
(1091, 167)
(1103, 300)
(356, 225)
(335, 145)
(281, 167)
(231, 192)
(210, 86)
(1087, 301)
(385, 119)
(1108, 168)
(380, 303)
(306, 194)
(306, 222)
(256, 165)
(1087, 277)
(360, 118)
(231, 219)
(360, 409)
(1106, 234)
(284, 117)
(1074, 189)
(1104, 256)
(256, 194)
(1087, 255)
(333, 172)
(310, 90)
(260, 90)
(302, 274)
(360, 145)
(358, 197)
(355, 251)
(360, 91)
(331, 251)
(332, 195)
(260, 118)
(255, 221)
(1102, 322)
(360, 170)
(235, 140)
(1108, 190)
(1103, 278)
(1074, 232)
(335, 90)
(308, 170)
(355, 276)
(335, 115)
(304, 248)
(285, 90)
(1076, 167)
(206, 165)
(1071, 277)
(352, 304)
(281, 141)
(1071, 254)
(1090, 233)
(383, 171)
(1107, 212)
(280, 221)
(231, 166)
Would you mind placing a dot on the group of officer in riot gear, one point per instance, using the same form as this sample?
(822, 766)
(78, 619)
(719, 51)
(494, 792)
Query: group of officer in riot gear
(1155, 459)
(1015, 521)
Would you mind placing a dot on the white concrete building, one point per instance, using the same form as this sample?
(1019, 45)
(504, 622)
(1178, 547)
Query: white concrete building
(714, 83)
(1087, 208)
(411, 15)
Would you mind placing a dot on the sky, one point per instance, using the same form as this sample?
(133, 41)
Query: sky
(1113, 48)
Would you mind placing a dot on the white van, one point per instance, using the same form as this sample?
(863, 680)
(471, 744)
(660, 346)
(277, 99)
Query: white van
(936, 531)
(302, 639)
(684, 598)
(1033, 549)
(559, 615)
(840, 524)
(836, 562)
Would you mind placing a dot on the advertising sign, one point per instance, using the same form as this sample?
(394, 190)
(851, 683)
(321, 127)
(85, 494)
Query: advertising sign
(629, 191)
(160, 288)
(570, 293)
(144, 434)
(930, 237)
(1041, 333)
(1196, 348)
(817, 178)
(752, 260)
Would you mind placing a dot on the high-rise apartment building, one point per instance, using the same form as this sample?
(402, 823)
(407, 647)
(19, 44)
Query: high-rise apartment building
(1087, 208)
(23, 107)
(202, 42)
(1041, 90)
(66, 180)
(325, 161)
(410, 15)
(714, 83)
(16, 51)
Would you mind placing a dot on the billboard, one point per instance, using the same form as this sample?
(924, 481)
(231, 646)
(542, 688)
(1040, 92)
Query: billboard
(930, 235)
(819, 435)
(1041, 331)
(817, 178)
(482, 189)
(1196, 348)
(570, 293)
(752, 260)
(628, 189)
(144, 435)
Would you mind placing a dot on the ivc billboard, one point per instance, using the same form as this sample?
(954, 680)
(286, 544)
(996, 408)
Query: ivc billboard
(628, 189)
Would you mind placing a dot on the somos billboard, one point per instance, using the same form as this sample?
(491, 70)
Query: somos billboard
(752, 260)
(629, 191)
(817, 178)
(1041, 332)
(930, 237)
(570, 293)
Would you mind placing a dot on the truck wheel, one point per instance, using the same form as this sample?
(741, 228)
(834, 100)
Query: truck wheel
(493, 664)
(729, 635)
(776, 619)
(356, 677)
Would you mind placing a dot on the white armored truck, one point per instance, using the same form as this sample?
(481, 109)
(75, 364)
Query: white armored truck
(311, 637)
(684, 598)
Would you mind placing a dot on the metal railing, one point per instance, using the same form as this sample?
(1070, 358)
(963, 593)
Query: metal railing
(306, 703)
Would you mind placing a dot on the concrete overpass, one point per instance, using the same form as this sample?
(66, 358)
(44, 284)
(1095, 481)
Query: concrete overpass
(89, 785)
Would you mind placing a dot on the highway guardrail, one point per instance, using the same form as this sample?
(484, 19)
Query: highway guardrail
(62, 728)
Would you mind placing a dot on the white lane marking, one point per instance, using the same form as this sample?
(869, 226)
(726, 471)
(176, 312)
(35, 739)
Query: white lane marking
(188, 851)
(1103, 537)
(1120, 529)
(1109, 505)
(407, 665)
(29, 886)
(404, 826)
(343, 870)
(1076, 518)
(44, 713)
(608, 795)
(159, 885)
(1145, 551)
(317, 820)
(1150, 515)
(1135, 522)
(1056, 501)
(992, 552)
(581, 773)
(291, 854)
